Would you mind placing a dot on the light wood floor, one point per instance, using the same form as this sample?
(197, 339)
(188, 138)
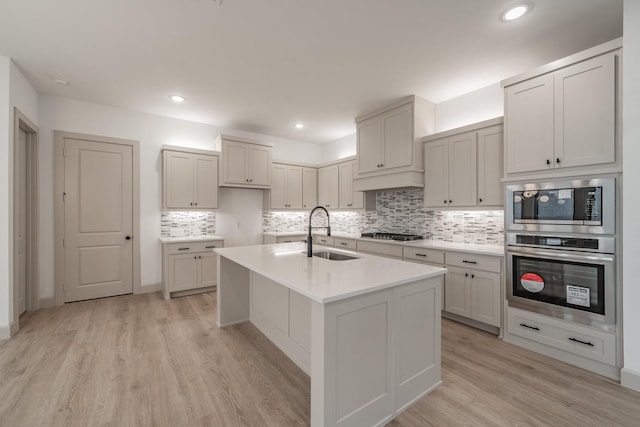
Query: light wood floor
(143, 361)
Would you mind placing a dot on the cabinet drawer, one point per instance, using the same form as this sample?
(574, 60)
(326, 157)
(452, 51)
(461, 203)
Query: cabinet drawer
(383, 249)
(576, 339)
(323, 240)
(345, 243)
(431, 256)
(189, 247)
(477, 262)
(289, 239)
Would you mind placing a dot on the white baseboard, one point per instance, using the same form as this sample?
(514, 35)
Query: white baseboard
(6, 331)
(630, 379)
(46, 302)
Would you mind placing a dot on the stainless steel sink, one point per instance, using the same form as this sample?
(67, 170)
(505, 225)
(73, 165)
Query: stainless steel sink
(334, 256)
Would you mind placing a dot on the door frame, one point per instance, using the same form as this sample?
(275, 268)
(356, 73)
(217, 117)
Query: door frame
(59, 171)
(22, 122)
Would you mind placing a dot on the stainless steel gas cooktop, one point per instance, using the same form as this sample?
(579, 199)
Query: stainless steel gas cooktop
(393, 236)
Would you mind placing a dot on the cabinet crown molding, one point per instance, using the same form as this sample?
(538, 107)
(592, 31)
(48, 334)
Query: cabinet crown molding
(189, 150)
(406, 100)
(245, 140)
(463, 129)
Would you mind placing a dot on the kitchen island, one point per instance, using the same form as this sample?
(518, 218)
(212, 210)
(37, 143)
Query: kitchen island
(367, 329)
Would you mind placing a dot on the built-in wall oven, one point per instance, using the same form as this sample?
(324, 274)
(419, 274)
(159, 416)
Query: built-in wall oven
(561, 250)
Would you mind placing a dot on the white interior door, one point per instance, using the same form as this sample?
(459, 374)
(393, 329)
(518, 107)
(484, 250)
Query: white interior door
(20, 275)
(98, 219)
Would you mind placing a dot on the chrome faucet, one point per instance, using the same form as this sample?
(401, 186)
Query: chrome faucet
(309, 238)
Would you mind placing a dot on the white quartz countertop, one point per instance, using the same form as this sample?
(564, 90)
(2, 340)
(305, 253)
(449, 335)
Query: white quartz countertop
(475, 248)
(325, 280)
(186, 239)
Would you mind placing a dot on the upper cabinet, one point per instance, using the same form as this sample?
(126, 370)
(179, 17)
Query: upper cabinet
(562, 119)
(388, 145)
(349, 199)
(245, 163)
(463, 167)
(190, 178)
(292, 187)
(329, 187)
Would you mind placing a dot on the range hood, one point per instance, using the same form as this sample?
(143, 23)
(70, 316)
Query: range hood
(408, 179)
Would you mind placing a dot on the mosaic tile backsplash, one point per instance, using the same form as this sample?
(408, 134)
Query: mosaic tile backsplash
(401, 212)
(182, 224)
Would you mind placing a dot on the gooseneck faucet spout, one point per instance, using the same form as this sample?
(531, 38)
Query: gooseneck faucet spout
(309, 238)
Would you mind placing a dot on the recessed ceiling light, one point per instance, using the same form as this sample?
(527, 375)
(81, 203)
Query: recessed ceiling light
(515, 12)
(61, 81)
(299, 125)
(177, 98)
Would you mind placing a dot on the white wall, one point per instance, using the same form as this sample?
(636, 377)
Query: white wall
(631, 201)
(152, 132)
(482, 104)
(5, 207)
(338, 149)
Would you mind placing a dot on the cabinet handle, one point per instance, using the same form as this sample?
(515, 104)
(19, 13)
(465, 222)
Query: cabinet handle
(195, 257)
(548, 162)
(191, 203)
(473, 275)
(466, 274)
(183, 249)
(421, 255)
(469, 262)
(449, 201)
(557, 159)
(382, 165)
(343, 243)
(196, 203)
(445, 202)
(199, 257)
(524, 325)
(480, 200)
(127, 238)
(581, 342)
(210, 247)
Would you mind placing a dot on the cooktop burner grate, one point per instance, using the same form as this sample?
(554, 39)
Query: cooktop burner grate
(393, 236)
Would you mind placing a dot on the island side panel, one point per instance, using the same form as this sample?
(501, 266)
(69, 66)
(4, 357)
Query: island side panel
(418, 344)
(233, 292)
(351, 361)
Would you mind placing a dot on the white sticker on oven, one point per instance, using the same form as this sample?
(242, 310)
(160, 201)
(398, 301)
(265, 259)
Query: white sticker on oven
(577, 295)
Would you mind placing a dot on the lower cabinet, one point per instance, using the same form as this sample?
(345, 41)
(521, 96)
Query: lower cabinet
(474, 294)
(268, 239)
(189, 266)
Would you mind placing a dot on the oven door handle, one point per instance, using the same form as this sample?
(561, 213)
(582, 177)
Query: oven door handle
(560, 254)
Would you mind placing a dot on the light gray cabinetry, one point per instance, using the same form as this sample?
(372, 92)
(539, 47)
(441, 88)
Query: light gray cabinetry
(309, 187)
(289, 238)
(388, 144)
(564, 121)
(190, 179)
(463, 167)
(473, 284)
(189, 265)
(349, 199)
(245, 163)
(286, 187)
(329, 187)
(432, 257)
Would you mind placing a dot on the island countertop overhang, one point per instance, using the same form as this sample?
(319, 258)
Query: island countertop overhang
(323, 280)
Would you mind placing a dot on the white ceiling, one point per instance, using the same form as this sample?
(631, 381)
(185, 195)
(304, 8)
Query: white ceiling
(261, 65)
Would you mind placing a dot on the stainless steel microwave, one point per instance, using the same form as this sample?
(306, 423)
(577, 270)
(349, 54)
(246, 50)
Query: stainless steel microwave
(577, 206)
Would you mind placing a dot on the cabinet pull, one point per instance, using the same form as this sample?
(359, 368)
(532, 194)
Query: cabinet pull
(210, 247)
(557, 159)
(195, 257)
(343, 243)
(466, 274)
(480, 200)
(199, 256)
(524, 325)
(581, 342)
(183, 249)
(191, 204)
(422, 255)
(195, 204)
(473, 275)
(445, 201)
(449, 201)
(548, 162)
(469, 262)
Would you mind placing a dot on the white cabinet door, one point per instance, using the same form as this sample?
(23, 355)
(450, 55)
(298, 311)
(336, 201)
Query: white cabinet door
(309, 188)
(457, 293)
(529, 124)
(234, 157)
(349, 199)
(179, 180)
(259, 165)
(207, 269)
(490, 161)
(328, 187)
(183, 272)
(485, 297)
(436, 173)
(278, 186)
(398, 137)
(300, 320)
(370, 144)
(294, 187)
(462, 170)
(206, 182)
(585, 113)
